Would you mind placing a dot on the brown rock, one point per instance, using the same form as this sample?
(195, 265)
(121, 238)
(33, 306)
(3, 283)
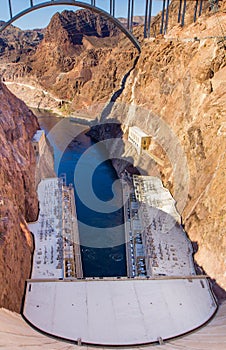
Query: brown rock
(16, 44)
(18, 199)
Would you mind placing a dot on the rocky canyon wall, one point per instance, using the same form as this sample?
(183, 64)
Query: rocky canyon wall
(18, 199)
(177, 95)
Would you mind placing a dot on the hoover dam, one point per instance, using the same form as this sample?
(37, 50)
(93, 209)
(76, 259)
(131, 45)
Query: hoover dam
(112, 211)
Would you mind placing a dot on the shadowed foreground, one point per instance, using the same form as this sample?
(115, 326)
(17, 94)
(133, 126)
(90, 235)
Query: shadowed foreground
(15, 333)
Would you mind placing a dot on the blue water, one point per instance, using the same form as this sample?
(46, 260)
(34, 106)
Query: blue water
(101, 233)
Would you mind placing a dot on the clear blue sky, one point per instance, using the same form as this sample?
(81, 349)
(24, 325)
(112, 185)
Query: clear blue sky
(40, 18)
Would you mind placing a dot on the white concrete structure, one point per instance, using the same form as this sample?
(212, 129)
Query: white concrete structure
(57, 251)
(139, 139)
(168, 251)
(47, 230)
(119, 312)
(150, 190)
(39, 143)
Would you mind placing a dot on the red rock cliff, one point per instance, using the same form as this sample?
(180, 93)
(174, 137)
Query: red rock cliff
(18, 200)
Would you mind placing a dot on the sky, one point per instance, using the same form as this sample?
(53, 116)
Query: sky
(40, 18)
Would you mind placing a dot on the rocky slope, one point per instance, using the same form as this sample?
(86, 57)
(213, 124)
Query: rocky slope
(16, 44)
(78, 61)
(18, 199)
(208, 8)
(65, 38)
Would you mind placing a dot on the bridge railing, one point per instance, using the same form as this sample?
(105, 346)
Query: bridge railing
(148, 10)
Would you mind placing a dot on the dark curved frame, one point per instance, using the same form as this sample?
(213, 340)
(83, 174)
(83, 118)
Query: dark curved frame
(77, 4)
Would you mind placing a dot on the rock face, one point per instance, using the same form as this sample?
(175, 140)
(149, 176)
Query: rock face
(66, 37)
(16, 44)
(74, 48)
(74, 25)
(18, 199)
(67, 62)
(207, 9)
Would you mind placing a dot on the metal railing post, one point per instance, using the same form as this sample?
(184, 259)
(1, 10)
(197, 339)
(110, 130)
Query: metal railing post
(113, 8)
(179, 12)
(131, 18)
(146, 19)
(195, 10)
(128, 18)
(163, 16)
(167, 16)
(200, 7)
(10, 9)
(149, 19)
(183, 14)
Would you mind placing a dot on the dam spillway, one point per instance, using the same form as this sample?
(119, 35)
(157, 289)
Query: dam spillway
(102, 311)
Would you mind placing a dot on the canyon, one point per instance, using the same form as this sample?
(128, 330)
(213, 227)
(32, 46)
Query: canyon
(175, 92)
